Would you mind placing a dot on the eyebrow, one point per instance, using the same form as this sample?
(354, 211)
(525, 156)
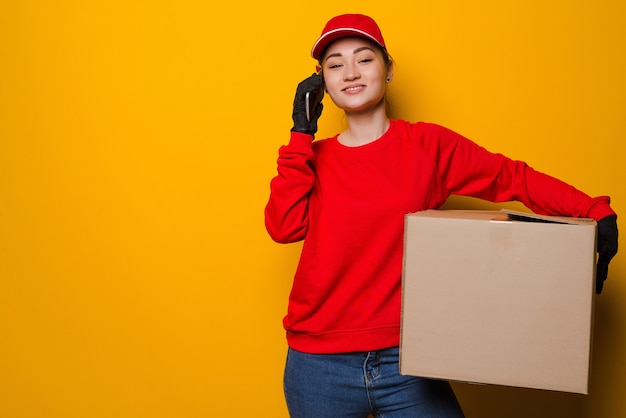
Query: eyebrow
(357, 50)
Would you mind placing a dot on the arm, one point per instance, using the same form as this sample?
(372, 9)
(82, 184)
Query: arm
(468, 169)
(286, 211)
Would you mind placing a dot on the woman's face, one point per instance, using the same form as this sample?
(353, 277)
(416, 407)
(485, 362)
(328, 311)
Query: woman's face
(355, 74)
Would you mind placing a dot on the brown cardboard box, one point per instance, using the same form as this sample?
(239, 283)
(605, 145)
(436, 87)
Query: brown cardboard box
(489, 298)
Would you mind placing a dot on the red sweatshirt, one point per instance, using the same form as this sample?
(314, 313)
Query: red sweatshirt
(348, 204)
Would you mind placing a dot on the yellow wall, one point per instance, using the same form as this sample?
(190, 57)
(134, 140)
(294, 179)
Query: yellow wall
(137, 141)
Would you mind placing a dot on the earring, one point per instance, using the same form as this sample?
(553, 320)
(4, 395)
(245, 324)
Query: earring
(388, 79)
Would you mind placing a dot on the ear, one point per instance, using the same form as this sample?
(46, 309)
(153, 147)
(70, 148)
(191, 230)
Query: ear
(390, 72)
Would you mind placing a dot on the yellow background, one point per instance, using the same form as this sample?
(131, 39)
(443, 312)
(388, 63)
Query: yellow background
(137, 142)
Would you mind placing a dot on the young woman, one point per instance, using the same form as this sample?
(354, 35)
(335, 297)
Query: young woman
(346, 197)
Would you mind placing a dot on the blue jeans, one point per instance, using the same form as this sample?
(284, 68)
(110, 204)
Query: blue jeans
(355, 385)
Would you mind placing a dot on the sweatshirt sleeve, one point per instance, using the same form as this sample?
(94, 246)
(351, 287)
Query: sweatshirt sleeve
(286, 217)
(470, 170)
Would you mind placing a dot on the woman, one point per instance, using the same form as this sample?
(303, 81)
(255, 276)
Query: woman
(346, 197)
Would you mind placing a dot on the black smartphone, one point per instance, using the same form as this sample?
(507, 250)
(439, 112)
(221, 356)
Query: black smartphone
(313, 98)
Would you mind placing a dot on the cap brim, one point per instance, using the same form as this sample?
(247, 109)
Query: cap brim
(330, 36)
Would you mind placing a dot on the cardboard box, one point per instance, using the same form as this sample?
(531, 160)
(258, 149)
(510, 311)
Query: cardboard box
(498, 298)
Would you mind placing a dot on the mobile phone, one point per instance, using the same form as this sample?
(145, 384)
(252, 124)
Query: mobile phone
(313, 98)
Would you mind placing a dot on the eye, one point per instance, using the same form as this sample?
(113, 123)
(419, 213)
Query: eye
(366, 60)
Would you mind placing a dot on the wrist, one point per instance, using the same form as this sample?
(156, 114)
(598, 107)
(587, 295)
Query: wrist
(304, 138)
(600, 208)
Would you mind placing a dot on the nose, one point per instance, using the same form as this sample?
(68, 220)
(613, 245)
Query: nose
(351, 72)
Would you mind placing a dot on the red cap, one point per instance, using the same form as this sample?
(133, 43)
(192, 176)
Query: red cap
(344, 26)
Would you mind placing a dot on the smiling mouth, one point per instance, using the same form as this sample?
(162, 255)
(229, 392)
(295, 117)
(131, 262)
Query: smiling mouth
(354, 88)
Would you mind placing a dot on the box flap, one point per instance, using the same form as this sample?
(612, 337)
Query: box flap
(533, 217)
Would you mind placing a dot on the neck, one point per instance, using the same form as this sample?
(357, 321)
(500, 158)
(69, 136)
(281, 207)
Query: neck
(366, 127)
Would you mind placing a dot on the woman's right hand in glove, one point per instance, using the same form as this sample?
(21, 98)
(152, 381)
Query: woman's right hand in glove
(301, 121)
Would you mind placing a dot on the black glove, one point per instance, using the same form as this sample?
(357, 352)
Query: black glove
(301, 123)
(607, 248)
